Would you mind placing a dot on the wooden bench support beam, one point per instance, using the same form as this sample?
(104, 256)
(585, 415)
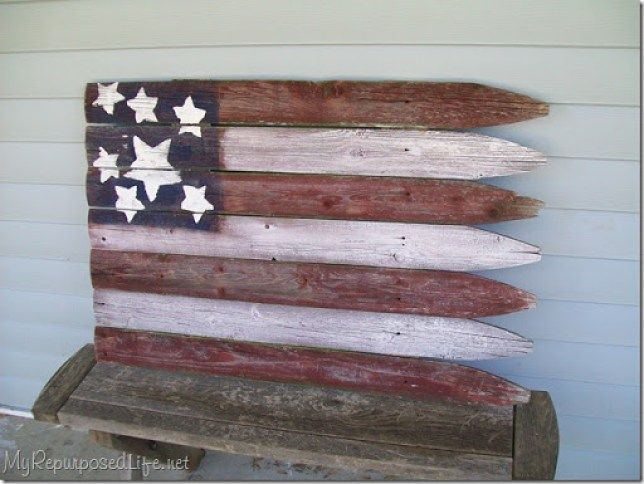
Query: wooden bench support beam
(536, 439)
(152, 449)
(61, 385)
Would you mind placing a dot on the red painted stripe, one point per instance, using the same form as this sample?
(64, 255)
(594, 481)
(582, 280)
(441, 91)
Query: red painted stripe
(339, 103)
(410, 377)
(434, 293)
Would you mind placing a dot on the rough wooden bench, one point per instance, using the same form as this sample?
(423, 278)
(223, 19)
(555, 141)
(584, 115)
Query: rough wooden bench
(396, 436)
(282, 291)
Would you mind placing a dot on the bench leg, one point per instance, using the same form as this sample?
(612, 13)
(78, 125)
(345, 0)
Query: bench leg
(188, 458)
(131, 474)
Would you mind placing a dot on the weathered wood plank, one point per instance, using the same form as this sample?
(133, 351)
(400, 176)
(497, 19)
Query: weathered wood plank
(379, 244)
(408, 461)
(304, 408)
(326, 196)
(61, 385)
(384, 333)
(370, 152)
(435, 293)
(151, 449)
(411, 377)
(536, 439)
(447, 105)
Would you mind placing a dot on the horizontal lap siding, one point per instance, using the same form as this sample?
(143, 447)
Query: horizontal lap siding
(93, 24)
(579, 55)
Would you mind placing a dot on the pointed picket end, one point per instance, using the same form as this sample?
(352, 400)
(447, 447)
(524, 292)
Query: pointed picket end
(502, 106)
(525, 253)
(513, 344)
(487, 342)
(520, 348)
(504, 299)
(517, 209)
(527, 160)
(530, 300)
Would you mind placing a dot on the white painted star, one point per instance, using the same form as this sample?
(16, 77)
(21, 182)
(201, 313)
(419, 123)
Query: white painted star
(154, 179)
(151, 157)
(106, 164)
(189, 114)
(151, 166)
(195, 201)
(143, 106)
(127, 202)
(108, 96)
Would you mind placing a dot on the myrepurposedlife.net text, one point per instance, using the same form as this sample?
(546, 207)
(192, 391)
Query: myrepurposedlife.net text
(38, 459)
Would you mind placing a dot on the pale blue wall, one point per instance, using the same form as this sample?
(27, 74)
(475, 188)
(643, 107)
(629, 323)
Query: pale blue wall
(579, 55)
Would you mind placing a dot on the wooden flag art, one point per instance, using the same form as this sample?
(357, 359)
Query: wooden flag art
(280, 268)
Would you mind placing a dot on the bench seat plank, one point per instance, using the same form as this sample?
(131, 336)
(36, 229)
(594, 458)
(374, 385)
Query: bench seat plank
(370, 417)
(370, 152)
(304, 424)
(418, 200)
(339, 103)
(378, 244)
(414, 378)
(386, 333)
(433, 293)
(393, 460)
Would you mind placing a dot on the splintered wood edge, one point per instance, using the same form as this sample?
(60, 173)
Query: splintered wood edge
(520, 208)
(536, 439)
(151, 449)
(62, 384)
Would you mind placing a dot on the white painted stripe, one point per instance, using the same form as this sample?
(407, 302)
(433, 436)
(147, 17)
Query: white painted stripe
(374, 152)
(382, 244)
(386, 333)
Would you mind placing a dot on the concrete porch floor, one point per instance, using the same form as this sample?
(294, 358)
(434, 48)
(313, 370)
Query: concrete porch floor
(29, 436)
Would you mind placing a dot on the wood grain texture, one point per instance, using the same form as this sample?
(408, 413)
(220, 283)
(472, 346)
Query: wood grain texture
(434, 293)
(309, 409)
(328, 196)
(331, 103)
(536, 439)
(384, 333)
(410, 377)
(371, 152)
(151, 449)
(398, 460)
(379, 244)
(61, 385)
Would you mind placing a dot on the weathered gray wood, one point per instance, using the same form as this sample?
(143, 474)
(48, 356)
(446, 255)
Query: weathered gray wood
(387, 333)
(408, 461)
(300, 423)
(151, 449)
(321, 411)
(382, 152)
(536, 439)
(61, 385)
(379, 244)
